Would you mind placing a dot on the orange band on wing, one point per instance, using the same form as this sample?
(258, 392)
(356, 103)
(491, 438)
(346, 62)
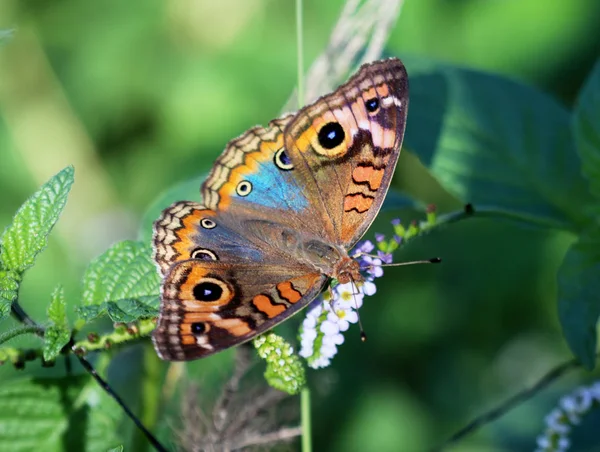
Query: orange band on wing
(357, 201)
(287, 292)
(368, 174)
(265, 305)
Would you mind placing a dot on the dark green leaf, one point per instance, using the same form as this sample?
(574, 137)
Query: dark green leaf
(125, 271)
(395, 200)
(579, 296)
(31, 225)
(497, 144)
(56, 415)
(58, 333)
(9, 285)
(586, 124)
(126, 310)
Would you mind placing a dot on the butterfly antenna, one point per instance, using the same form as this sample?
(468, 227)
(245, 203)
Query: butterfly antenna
(363, 335)
(433, 260)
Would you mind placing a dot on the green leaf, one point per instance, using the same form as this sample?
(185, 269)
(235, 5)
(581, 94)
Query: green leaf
(498, 144)
(9, 285)
(579, 296)
(31, 225)
(396, 200)
(58, 333)
(125, 311)
(32, 416)
(116, 449)
(56, 415)
(57, 311)
(586, 125)
(125, 271)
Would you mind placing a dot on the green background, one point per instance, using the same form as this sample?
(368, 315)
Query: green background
(142, 95)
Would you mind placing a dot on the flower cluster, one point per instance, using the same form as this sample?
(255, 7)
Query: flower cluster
(334, 310)
(571, 408)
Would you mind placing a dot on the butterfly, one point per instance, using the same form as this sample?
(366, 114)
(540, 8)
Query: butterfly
(282, 207)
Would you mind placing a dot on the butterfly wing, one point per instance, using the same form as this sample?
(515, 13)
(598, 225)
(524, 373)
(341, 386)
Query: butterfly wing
(254, 179)
(208, 306)
(345, 146)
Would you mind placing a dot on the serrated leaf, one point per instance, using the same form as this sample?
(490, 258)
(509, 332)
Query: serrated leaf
(9, 286)
(56, 415)
(58, 334)
(125, 311)
(100, 416)
(28, 234)
(55, 338)
(497, 144)
(125, 271)
(586, 125)
(579, 296)
(57, 310)
(33, 415)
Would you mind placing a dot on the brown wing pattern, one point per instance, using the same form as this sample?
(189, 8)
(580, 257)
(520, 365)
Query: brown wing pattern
(347, 143)
(209, 306)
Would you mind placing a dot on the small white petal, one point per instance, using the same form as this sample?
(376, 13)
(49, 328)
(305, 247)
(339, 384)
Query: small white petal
(351, 316)
(328, 351)
(329, 328)
(344, 325)
(543, 441)
(309, 334)
(369, 288)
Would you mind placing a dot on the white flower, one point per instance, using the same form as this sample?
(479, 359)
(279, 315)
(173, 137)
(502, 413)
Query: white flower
(369, 288)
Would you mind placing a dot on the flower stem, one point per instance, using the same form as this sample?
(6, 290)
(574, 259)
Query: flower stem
(305, 416)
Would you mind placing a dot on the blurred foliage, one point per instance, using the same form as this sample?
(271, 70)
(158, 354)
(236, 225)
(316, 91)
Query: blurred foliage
(139, 96)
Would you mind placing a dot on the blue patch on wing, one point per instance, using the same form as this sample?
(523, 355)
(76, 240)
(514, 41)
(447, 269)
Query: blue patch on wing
(274, 188)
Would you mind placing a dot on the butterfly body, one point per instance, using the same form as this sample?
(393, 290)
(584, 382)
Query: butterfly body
(282, 207)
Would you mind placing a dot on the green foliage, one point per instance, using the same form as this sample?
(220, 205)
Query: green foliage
(58, 414)
(28, 233)
(58, 334)
(521, 159)
(497, 144)
(586, 125)
(578, 277)
(9, 285)
(505, 147)
(122, 282)
(125, 310)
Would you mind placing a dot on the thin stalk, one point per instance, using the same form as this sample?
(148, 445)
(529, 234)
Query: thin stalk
(305, 418)
(21, 330)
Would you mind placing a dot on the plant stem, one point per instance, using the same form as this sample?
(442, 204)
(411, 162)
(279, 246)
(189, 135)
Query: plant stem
(21, 330)
(305, 418)
(300, 53)
(24, 318)
(513, 402)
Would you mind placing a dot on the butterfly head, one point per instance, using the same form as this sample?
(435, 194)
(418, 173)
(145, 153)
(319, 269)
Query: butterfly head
(347, 270)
